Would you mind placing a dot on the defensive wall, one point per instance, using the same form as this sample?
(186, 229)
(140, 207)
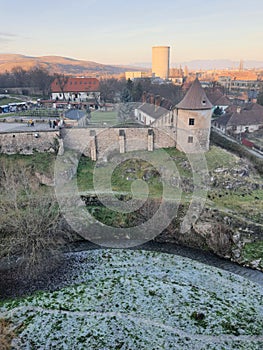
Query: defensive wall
(93, 142)
(101, 142)
(27, 142)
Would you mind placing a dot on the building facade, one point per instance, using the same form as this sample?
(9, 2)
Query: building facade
(188, 123)
(193, 120)
(161, 61)
(76, 90)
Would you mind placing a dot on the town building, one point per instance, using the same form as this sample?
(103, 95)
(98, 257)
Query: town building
(189, 122)
(136, 75)
(78, 90)
(240, 81)
(156, 111)
(239, 120)
(218, 99)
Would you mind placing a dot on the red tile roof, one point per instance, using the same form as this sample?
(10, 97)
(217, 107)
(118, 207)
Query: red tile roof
(195, 98)
(77, 85)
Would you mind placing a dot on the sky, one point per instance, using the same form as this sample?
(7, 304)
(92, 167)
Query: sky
(123, 32)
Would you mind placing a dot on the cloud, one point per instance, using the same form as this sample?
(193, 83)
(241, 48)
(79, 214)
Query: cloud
(6, 37)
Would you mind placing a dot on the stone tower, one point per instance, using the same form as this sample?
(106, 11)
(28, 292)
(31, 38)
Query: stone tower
(193, 120)
(161, 61)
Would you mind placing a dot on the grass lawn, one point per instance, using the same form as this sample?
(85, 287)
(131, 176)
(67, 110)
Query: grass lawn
(99, 117)
(40, 162)
(135, 168)
(217, 157)
(7, 100)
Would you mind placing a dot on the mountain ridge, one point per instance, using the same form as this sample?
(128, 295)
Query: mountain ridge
(61, 65)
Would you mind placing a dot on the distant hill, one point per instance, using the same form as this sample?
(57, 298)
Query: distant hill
(220, 64)
(209, 64)
(62, 65)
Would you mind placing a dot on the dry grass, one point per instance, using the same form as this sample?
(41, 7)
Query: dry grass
(6, 335)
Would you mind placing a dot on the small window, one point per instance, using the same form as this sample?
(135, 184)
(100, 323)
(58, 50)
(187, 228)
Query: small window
(203, 102)
(191, 121)
(190, 139)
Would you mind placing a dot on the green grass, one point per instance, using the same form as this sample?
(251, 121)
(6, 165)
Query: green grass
(242, 201)
(40, 162)
(247, 204)
(135, 168)
(85, 174)
(217, 157)
(99, 117)
(40, 112)
(7, 100)
(253, 251)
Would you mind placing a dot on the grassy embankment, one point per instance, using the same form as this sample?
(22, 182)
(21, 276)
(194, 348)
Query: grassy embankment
(242, 200)
(245, 198)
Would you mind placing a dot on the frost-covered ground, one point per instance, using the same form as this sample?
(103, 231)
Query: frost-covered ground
(132, 299)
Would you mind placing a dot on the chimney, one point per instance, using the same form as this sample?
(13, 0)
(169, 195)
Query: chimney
(144, 97)
(158, 100)
(152, 99)
(238, 109)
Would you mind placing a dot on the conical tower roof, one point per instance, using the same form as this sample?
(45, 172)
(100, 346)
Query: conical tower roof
(195, 98)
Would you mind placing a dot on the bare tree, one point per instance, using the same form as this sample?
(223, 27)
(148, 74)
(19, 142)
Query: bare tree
(29, 237)
(39, 77)
(62, 80)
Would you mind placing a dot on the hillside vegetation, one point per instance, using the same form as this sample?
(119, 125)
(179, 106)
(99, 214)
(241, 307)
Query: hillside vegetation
(58, 64)
(230, 223)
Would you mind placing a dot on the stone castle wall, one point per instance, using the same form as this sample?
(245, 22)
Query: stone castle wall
(198, 133)
(101, 142)
(28, 142)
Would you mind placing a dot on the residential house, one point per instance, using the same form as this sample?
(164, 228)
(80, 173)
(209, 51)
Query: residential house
(76, 90)
(76, 117)
(239, 120)
(155, 110)
(218, 99)
(189, 122)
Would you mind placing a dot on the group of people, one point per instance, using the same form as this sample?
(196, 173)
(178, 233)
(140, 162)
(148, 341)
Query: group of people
(54, 123)
(30, 122)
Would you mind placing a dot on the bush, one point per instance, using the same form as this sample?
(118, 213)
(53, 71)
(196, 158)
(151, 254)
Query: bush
(6, 335)
(30, 234)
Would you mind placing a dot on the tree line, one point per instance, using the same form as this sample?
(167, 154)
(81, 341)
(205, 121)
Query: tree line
(115, 90)
(37, 77)
(111, 89)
